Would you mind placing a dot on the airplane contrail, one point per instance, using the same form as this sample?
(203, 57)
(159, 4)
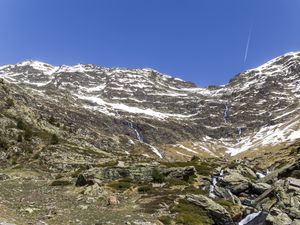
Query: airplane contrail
(248, 43)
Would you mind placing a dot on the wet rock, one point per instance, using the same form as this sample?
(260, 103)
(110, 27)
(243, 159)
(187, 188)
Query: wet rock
(277, 217)
(217, 212)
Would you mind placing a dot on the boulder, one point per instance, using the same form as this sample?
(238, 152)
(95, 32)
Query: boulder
(235, 182)
(259, 188)
(296, 222)
(277, 217)
(180, 172)
(294, 213)
(217, 212)
(82, 181)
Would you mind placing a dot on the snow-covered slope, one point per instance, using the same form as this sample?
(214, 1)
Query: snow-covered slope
(257, 108)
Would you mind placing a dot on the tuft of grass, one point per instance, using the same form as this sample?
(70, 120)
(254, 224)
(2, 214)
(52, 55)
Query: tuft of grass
(166, 220)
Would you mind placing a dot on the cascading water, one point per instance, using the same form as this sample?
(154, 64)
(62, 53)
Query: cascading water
(226, 113)
(214, 183)
(138, 134)
(239, 134)
(257, 218)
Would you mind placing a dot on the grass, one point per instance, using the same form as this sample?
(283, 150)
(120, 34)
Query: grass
(189, 214)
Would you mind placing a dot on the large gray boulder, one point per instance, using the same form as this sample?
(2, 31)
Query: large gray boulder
(235, 182)
(277, 217)
(217, 212)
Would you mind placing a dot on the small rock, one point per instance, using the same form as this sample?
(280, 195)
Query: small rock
(112, 200)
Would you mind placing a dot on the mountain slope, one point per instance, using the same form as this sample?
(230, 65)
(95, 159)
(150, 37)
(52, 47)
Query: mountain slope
(166, 116)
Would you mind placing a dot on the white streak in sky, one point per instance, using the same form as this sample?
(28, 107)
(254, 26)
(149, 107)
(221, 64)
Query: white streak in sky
(248, 43)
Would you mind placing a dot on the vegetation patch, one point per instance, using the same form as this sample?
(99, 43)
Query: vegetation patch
(189, 214)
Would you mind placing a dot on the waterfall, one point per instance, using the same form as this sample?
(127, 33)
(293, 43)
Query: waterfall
(214, 183)
(226, 113)
(254, 219)
(138, 134)
(239, 134)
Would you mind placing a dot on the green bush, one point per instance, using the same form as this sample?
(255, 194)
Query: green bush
(19, 138)
(54, 139)
(21, 125)
(3, 143)
(10, 102)
(157, 176)
(28, 134)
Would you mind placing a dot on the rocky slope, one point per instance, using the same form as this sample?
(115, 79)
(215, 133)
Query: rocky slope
(90, 145)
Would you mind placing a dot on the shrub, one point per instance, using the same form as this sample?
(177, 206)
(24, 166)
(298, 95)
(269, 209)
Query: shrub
(157, 176)
(19, 138)
(21, 125)
(120, 185)
(10, 102)
(3, 143)
(28, 134)
(54, 139)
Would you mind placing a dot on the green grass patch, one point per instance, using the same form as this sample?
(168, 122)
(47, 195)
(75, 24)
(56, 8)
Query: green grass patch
(189, 214)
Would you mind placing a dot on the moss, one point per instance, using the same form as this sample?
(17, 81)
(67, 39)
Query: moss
(166, 220)
(194, 190)
(189, 214)
(121, 185)
(225, 203)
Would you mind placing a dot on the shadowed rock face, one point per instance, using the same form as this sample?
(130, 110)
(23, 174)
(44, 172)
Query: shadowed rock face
(238, 116)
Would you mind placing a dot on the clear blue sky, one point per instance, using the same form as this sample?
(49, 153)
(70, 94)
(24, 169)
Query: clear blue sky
(203, 41)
